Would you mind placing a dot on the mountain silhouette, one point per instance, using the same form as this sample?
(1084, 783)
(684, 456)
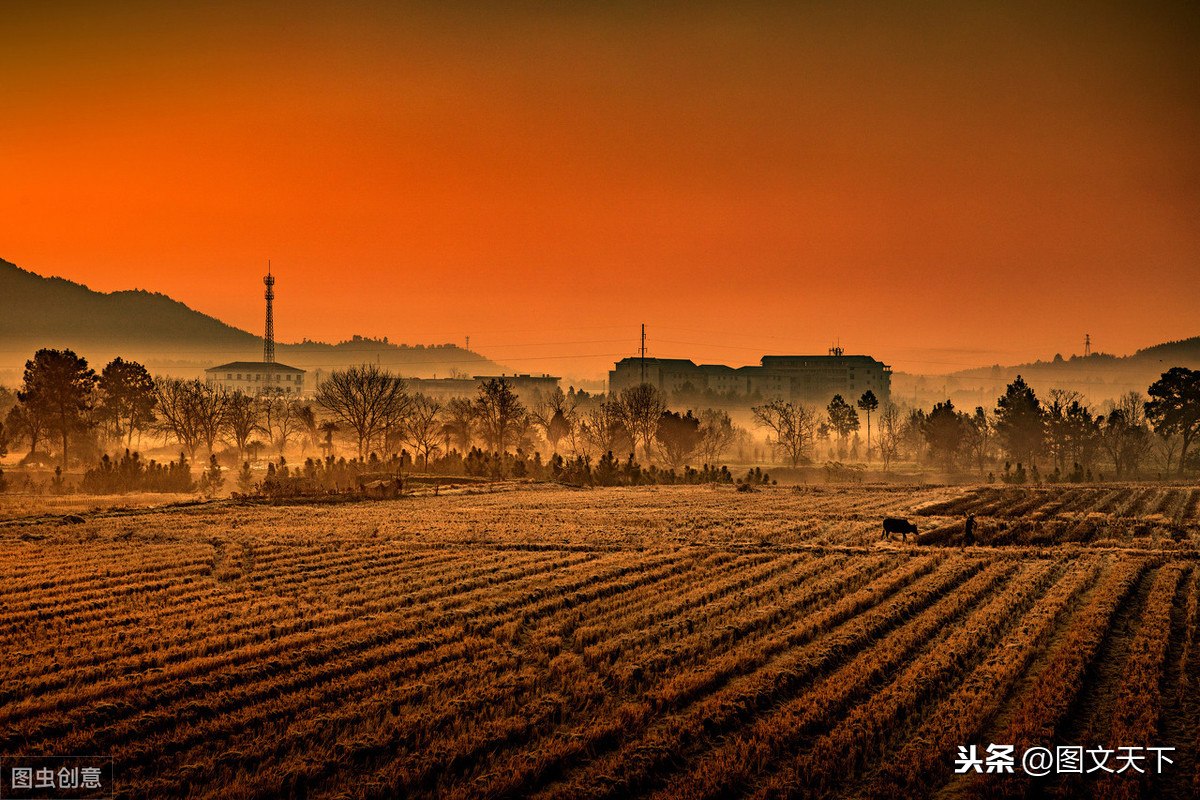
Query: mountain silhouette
(171, 338)
(168, 336)
(1098, 377)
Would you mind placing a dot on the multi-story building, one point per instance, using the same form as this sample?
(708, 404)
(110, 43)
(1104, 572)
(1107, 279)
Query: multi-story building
(257, 377)
(798, 379)
(528, 387)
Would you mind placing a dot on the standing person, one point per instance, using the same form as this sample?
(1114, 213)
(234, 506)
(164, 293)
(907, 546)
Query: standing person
(969, 531)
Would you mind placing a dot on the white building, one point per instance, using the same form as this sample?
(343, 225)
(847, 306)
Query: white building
(260, 377)
(257, 377)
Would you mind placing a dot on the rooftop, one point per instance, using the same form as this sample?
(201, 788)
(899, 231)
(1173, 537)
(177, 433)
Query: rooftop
(254, 366)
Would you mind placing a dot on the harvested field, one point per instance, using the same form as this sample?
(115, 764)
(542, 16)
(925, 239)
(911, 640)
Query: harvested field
(643, 642)
(1112, 515)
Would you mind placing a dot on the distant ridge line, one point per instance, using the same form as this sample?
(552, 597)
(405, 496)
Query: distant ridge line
(39, 311)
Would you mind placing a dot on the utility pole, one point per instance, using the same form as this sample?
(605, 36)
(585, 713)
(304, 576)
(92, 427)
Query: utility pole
(643, 352)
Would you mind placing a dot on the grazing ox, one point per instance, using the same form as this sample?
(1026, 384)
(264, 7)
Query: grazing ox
(901, 526)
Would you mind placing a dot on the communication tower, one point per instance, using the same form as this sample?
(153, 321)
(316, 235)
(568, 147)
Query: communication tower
(269, 338)
(643, 352)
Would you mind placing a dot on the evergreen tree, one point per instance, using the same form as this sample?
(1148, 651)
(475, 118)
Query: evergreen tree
(868, 403)
(129, 397)
(1020, 423)
(843, 419)
(58, 388)
(945, 431)
(1174, 407)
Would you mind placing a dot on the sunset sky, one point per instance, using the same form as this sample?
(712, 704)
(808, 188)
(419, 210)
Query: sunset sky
(940, 185)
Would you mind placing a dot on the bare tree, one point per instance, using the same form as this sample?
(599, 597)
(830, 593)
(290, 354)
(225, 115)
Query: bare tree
(1085, 437)
(424, 427)
(1167, 446)
(394, 429)
(887, 436)
(242, 418)
(555, 414)
(500, 414)
(176, 412)
(601, 430)
(25, 423)
(282, 417)
(1058, 436)
(979, 437)
(716, 434)
(791, 427)
(1126, 435)
(640, 408)
(211, 403)
(8, 399)
(191, 411)
(458, 423)
(366, 398)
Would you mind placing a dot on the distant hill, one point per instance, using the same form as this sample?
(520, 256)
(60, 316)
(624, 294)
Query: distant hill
(1098, 377)
(35, 308)
(1183, 350)
(168, 337)
(1146, 362)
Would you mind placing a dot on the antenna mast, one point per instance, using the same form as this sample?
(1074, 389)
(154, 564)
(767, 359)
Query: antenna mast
(269, 339)
(1087, 345)
(643, 352)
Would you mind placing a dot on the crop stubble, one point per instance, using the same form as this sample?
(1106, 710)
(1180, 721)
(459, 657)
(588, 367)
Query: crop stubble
(652, 642)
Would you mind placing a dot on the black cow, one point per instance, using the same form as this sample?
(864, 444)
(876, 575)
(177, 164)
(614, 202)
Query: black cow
(901, 526)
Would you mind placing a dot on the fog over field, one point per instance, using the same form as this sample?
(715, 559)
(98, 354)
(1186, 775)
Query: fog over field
(600, 400)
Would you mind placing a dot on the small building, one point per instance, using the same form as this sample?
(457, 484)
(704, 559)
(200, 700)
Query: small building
(260, 377)
(257, 377)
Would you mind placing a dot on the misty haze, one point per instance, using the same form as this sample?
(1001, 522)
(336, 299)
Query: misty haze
(402, 400)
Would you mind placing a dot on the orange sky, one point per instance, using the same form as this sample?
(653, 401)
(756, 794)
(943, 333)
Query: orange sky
(959, 184)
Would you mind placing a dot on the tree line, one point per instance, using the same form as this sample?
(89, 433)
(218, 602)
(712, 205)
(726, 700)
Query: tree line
(1059, 438)
(63, 405)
